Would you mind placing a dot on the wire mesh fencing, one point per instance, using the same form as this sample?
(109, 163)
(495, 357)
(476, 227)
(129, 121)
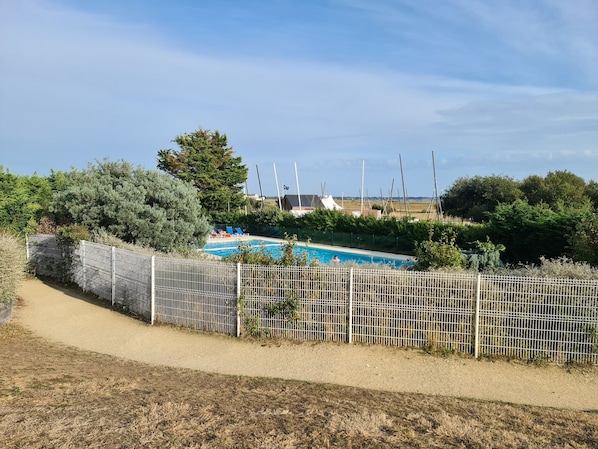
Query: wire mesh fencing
(45, 256)
(200, 295)
(485, 315)
(539, 319)
(303, 303)
(401, 308)
(93, 268)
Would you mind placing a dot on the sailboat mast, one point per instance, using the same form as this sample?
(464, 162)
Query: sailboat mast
(277, 188)
(407, 211)
(362, 180)
(436, 197)
(298, 192)
(260, 184)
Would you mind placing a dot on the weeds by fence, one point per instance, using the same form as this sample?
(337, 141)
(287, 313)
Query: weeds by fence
(485, 315)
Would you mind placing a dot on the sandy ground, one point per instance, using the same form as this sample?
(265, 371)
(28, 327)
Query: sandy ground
(64, 316)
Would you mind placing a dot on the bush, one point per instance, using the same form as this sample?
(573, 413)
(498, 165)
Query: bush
(261, 256)
(12, 266)
(584, 240)
(444, 253)
(559, 268)
(137, 205)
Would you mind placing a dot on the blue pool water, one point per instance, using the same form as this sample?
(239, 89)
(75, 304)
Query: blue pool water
(225, 248)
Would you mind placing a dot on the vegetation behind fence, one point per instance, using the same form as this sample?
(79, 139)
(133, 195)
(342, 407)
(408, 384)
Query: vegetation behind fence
(485, 315)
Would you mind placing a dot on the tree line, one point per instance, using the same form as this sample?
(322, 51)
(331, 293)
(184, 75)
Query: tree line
(477, 197)
(200, 184)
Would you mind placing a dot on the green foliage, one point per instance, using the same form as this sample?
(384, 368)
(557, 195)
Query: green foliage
(232, 218)
(72, 235)
(206, 162)
(23, 201)
(591, 192)
(584, 240)
(534, 189)
(134, 204)
(558, 190)
(246, 254)
(443, 253)
(484, 256)
(564, 190)
(288, 308)
(261, 256)
(288, 257)
(12, 266)
(475, 197)
(268, 216)
(530, 232)
(322, 220)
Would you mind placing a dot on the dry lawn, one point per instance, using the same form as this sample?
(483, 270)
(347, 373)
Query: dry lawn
(52, 396)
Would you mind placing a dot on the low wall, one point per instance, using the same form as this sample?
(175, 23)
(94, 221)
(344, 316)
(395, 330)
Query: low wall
(5, 313)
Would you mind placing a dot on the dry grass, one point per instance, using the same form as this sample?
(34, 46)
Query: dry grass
(12, 265)
(52, 396)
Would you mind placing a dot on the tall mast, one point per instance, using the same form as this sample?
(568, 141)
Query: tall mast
(260, 184)
(436, 197)
(297, 180)
(277, 189)
(362, 177)
(407, 211)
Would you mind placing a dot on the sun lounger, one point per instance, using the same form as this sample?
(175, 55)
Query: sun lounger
(240, 231)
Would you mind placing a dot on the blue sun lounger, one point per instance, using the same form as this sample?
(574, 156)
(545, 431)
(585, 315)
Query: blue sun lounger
(240, 231)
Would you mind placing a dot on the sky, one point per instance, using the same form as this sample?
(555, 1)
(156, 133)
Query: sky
(323, 96)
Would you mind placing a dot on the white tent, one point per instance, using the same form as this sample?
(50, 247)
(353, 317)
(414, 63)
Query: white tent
(329, 203)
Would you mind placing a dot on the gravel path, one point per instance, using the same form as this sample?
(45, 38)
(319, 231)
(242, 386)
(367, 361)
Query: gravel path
(64, 316)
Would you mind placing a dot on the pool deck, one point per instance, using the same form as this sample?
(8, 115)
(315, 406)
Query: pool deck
(339, 249)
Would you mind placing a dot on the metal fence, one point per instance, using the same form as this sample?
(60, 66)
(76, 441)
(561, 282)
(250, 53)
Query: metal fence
(485, 315)
(45, 256)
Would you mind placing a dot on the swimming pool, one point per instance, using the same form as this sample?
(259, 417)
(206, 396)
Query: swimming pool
(324, 255)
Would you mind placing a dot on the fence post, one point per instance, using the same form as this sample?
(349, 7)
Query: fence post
(476, 327)
(152, 289)
(238, 299)
(82, 244)
(350, 309)
(27, 255)
(113, 276)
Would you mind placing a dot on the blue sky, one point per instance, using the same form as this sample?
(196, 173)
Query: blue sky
(505, 87)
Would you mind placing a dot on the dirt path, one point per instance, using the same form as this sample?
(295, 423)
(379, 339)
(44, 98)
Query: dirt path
(64, 316)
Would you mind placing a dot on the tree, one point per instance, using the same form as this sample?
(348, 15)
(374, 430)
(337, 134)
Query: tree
(591, 191)
(205, 161)
(137, 205)
(565, 190)
(531, 232)
(23, 200)
(560, 189)
(584, 241)
(534, 189)
(475, 197)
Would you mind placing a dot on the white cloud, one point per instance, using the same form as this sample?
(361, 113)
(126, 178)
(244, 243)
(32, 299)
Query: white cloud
(79, 87)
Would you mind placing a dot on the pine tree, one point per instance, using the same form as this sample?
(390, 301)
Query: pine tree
(205, 161)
